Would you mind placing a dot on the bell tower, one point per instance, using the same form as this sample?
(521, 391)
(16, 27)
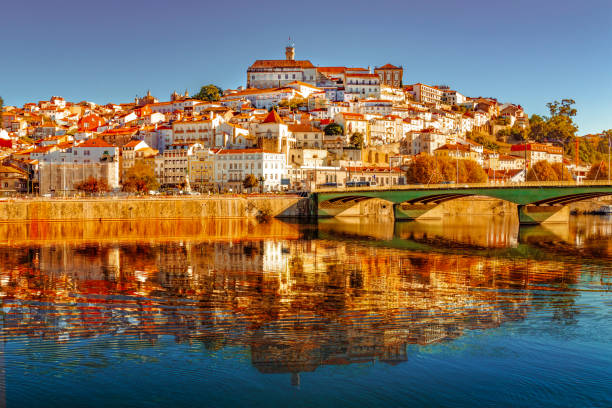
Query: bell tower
(290, 51)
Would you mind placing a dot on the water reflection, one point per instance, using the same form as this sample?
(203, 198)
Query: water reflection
(296, 297)
(289, 298)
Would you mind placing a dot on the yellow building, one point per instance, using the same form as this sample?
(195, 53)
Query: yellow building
(201, 168)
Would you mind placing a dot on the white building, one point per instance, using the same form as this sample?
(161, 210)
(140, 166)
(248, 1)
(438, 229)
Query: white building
(231, 166)
(277, 73)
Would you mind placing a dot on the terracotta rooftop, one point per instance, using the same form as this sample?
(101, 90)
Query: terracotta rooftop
(281, 64)
(95, 143)
(273, 117)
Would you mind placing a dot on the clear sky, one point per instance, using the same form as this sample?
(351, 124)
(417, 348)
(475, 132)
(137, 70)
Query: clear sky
(527, 52)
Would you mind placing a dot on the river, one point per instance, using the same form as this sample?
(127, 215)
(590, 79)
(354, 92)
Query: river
(469, 311)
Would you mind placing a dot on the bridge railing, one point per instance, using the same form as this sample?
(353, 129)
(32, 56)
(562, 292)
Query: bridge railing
(544, 184)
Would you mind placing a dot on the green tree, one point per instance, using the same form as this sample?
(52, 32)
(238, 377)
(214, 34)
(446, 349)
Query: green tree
(483, 139)
(542, 171)
(250, 182)
(537, 128)
(513, 134)
(333, 129)
(209, 93)
(1, 109)
(140, 178)
(563, 108)
(357, 139)
(559, 126)
(598, 171)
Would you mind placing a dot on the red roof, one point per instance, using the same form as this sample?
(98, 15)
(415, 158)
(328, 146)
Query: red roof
(281, 64)
(272, 117)
(132, 143)
(95, 143)
(388, 66)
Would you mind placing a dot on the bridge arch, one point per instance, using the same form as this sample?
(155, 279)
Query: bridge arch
(411, 202)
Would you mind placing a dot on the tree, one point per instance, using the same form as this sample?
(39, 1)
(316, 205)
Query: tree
(294, 103)
(563, 108)
(250, 182)
(558, 127)
(483, 139)
(333, 129)
(357, 139)
(423, 170)
(542, 171)
(1, 107)
(426, 169)
(93, 185)
(209, 93)
(474, 173)
(140, 178)
(537, 127)
(563, 174)
(598, 171)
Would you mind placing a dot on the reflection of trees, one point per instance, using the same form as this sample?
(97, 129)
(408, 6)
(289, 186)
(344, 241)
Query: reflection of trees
(333, 303)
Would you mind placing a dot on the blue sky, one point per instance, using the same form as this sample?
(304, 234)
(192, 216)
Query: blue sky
(526, 52)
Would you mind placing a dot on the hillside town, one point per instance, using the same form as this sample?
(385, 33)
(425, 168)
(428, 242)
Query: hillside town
(295, 126)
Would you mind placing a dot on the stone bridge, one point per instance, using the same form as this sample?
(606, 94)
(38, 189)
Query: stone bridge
(536, 202)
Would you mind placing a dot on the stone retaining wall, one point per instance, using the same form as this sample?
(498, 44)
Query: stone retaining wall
(152, 208)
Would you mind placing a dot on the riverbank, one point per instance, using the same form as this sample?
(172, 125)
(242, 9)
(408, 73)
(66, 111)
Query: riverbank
(224, 206)
(104, 208)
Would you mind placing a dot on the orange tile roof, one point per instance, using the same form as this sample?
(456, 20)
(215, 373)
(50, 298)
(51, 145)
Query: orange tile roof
(281, 64)
(132, 143)
(388, 66)
(95, 143)
(273, 117)
(301, 127)
(363, 75)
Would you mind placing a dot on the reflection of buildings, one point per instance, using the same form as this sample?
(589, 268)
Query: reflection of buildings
(295, 304)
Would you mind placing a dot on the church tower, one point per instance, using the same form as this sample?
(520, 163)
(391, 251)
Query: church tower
(290, 51)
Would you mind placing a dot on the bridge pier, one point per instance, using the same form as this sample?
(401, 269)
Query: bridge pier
(538, 214)
(421, 211)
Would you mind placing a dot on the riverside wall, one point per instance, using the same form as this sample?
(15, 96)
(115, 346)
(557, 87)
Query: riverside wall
(13, 210)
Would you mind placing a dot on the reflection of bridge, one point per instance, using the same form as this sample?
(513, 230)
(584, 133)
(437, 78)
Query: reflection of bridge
(536, 202)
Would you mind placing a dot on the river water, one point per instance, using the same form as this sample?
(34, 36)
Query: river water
(343, 313)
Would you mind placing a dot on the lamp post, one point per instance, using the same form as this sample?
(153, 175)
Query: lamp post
(609, 146)
(456, 161)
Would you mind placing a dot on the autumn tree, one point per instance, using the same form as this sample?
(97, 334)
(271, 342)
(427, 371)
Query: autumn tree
(93, 185)
(333, 129)
(426, 169)
(293, 103)
(250, 182)
(474, 173)
(563, 174)
(140, 178)
(423, 170)
(209, 93)
(598, 171)
(542, 171)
